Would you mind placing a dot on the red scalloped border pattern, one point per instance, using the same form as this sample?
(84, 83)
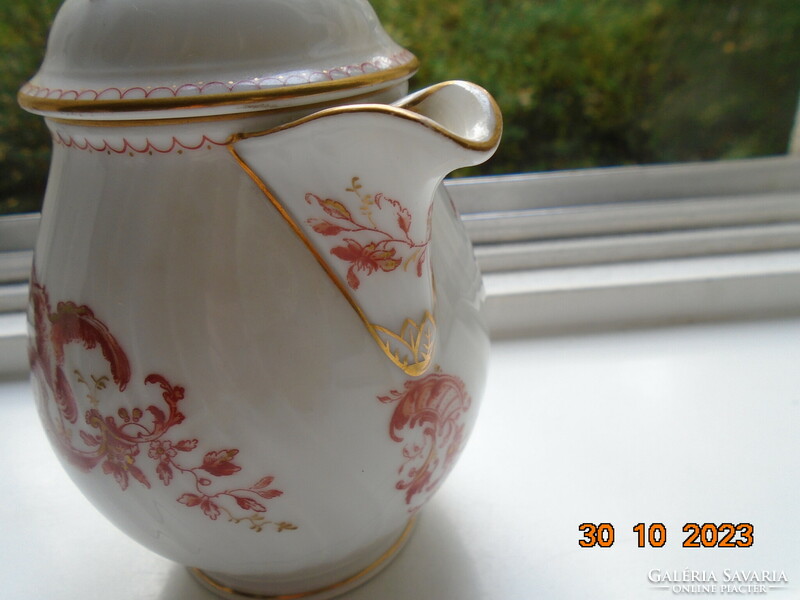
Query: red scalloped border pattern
(127, 147)
(218, 87)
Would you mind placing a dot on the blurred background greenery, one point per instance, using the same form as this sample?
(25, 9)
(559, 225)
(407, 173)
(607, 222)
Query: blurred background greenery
(581, 83)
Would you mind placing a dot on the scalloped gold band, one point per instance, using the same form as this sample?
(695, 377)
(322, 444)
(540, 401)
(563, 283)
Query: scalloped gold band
(67, 106)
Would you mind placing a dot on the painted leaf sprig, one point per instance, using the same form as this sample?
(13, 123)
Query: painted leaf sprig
(374, 236)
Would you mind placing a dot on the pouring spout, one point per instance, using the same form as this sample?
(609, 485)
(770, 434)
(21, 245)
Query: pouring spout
(461, 111)
(356, 184)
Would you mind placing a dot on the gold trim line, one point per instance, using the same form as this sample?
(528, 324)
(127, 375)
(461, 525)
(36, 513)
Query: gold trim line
(383, 558)
(64, 106)
(155, 122)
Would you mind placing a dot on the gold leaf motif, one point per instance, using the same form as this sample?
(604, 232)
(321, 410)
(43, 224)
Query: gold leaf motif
(411, 348)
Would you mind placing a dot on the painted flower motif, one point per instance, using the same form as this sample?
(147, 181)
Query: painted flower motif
(429, 421)
(369, 247)
(161, 450)
(116, 442)
(121, 463)
(369, 258)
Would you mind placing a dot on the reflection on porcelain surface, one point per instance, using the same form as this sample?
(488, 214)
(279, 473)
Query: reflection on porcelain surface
(257, 339)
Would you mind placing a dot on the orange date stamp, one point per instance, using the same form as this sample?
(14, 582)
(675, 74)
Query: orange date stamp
(654, 535)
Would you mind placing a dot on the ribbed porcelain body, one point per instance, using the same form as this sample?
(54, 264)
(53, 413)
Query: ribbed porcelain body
(255, 321)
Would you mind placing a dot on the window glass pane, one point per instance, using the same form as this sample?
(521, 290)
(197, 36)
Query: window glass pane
(581, 84)
(24, 140)
(613, 82)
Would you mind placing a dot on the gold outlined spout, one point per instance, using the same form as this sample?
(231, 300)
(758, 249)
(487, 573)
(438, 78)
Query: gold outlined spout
(380, 223)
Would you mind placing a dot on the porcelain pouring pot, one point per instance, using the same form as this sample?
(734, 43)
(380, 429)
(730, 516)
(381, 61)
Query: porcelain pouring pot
(256, 332)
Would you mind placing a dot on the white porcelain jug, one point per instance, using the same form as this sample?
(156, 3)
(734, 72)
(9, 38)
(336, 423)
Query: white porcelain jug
(256, 331)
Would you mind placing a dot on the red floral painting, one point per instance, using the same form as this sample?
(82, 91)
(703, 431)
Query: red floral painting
(367, 246)
(429, 421)
(136, 444)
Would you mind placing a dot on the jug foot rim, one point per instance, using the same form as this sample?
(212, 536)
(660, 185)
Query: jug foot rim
(323, 593)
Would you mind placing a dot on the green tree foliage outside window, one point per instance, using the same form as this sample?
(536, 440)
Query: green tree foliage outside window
(581, 84)
(24, 140)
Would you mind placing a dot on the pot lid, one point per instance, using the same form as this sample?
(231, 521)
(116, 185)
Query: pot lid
(144, 59)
